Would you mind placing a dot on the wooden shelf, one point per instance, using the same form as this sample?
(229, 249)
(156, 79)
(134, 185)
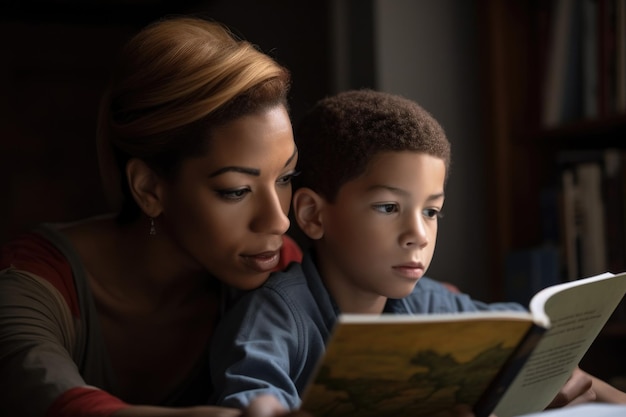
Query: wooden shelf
(608, 131)
(523, 158)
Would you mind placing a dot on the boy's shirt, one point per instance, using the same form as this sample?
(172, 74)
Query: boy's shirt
(271, 340)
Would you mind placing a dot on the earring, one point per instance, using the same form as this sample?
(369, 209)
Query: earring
(152, 227)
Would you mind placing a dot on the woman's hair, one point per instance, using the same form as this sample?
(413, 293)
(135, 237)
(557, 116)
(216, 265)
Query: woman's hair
(176, 80)
(341, 134)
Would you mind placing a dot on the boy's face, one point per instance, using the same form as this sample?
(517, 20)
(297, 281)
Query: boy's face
(379, 235)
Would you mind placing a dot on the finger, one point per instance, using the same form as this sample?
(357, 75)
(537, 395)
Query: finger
(586, 397)
(578, 385)
(265, 406)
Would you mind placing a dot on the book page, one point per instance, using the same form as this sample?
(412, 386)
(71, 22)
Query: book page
(577, 313)
(584, 410)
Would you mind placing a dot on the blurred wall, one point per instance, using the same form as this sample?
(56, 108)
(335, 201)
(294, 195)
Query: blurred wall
(428, 51)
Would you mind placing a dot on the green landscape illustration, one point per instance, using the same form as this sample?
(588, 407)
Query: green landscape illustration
(389, 380)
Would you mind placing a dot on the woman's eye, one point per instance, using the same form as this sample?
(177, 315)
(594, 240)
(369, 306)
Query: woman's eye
(233, 195)
(433, 213)
(286, 179)
(386, 208)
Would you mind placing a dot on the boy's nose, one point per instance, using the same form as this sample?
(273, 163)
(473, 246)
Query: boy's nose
(415, 233)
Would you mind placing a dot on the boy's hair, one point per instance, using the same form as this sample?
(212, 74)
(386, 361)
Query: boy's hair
(341, 134)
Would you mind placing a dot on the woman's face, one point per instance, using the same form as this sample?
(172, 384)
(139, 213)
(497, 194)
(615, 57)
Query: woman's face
(226, 212)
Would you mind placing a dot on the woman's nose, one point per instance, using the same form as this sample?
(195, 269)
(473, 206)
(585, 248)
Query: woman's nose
(271, 215)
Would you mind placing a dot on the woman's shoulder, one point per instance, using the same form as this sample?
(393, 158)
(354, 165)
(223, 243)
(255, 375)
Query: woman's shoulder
(36, 252)
(33, 252)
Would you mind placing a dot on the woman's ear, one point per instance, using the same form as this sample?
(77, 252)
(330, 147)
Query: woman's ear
(145, 187)
(307, 211)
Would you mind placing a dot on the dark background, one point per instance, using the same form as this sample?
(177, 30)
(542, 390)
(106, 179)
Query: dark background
(56, 57)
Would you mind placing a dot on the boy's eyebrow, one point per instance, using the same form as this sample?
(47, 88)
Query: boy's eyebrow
(403, 192)
(436, 196)
(245, 170)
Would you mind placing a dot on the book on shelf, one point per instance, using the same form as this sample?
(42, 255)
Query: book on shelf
(620, 48)
(585, 71)
(584, 233)
(614, 197)
(527, 271)
(508, 363)
(589, 35)
(593, 210)
(592, 223)
(563, 85)
(570, 228)
(606, 57)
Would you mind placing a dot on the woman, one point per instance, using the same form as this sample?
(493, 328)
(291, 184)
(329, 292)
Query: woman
(197, 152)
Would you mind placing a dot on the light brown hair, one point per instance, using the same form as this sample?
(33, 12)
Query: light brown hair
(174, 81)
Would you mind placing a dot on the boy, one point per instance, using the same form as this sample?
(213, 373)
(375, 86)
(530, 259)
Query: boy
(369, 196)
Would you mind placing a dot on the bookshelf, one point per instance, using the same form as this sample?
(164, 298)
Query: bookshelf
(555, 77)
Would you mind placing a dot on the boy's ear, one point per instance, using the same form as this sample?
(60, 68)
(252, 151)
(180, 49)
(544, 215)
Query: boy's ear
(145, 187)
(307, 211)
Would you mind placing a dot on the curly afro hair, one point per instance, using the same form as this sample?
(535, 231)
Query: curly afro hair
(341, 134)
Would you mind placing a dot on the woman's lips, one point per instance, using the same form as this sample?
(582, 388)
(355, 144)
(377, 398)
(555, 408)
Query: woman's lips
(262, 262)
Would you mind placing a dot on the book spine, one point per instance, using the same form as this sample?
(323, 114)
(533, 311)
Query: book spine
(606, 57)
(529, 271)
(620, 12)
(559, 42)
(593, 244)
(570, 225)
(503, 379)
(615, 216)
(590, 58)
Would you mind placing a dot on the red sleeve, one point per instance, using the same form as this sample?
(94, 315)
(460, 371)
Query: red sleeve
(81, 402)
(33, 253)
(290, 252)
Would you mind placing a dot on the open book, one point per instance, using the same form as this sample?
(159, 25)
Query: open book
(584, 410)
(509, 363)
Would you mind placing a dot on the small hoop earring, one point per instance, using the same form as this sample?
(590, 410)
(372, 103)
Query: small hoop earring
(152, 231)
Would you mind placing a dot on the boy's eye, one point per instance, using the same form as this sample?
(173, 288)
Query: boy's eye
(386, 208)
(233, 195)
(433, 213)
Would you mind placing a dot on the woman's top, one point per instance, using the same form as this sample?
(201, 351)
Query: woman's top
(53, 358)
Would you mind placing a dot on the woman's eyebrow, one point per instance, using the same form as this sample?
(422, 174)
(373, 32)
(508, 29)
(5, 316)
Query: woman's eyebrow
(293, 155)
(245, 170)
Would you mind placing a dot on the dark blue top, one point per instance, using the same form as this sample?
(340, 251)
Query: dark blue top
(272, 338)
